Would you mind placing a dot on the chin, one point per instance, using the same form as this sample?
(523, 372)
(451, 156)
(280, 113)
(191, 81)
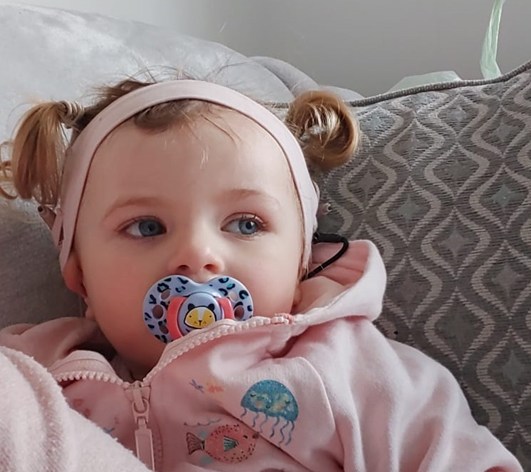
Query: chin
(141, 361)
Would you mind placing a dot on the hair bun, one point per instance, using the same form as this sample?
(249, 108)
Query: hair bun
(325, 128)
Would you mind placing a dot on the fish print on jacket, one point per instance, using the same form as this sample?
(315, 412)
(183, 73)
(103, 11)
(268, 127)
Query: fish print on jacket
(272, 400)
(229, 443)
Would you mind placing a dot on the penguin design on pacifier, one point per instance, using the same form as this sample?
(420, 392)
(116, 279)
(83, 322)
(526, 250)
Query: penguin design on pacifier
(176, 305)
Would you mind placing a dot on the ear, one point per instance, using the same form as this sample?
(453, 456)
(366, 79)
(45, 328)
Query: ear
(73, 275)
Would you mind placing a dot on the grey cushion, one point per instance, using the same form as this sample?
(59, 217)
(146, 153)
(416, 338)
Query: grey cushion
(32, 289)
(442, 184)
(56, 54)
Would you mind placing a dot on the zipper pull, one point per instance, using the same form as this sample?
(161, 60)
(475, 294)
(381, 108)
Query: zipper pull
(143, 435)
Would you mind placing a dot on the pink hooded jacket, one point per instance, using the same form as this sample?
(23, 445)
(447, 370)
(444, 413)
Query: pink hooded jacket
(319, 391)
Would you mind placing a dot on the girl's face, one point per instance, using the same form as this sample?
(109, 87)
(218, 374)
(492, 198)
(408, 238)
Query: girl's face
(214, 199)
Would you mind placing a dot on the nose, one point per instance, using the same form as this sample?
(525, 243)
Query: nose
(196, 257)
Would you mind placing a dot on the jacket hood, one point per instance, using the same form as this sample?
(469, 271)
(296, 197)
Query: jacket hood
(354, 285)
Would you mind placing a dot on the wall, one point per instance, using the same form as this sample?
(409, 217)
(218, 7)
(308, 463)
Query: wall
(161, 12)
(366, 45)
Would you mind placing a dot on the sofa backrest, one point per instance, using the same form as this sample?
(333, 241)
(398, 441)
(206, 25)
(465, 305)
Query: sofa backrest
(442, 184)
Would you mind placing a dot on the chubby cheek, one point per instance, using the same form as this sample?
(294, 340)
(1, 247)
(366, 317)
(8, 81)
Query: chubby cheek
(274, 285)
(115, 300)
(274, 293)
(270, 306)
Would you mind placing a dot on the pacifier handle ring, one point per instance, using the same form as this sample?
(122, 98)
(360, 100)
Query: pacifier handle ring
(228, 312)
(172, 317)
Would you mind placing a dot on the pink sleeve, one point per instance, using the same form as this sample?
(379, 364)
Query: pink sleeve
(396, 409)
(38, 431)
(50, 341)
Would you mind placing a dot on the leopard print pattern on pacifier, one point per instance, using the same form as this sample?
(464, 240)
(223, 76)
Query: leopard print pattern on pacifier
(176, 305)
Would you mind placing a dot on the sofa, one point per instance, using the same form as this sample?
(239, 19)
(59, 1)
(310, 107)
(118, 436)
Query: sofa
(441, 182)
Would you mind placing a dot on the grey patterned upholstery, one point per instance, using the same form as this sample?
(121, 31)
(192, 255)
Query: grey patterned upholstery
(442, 184)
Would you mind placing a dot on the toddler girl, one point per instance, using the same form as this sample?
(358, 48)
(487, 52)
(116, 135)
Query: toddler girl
(173, 191)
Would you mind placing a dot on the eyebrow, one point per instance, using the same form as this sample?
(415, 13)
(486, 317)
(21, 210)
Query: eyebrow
(132, 201)
(245, 193)
(233, 194)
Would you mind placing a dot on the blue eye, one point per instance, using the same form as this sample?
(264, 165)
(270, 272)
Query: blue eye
(245, 225)
(145, 228)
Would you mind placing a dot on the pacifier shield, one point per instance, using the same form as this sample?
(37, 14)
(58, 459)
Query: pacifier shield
(176, 305)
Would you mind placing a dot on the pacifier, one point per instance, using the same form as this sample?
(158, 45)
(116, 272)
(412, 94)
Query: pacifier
(176, 305)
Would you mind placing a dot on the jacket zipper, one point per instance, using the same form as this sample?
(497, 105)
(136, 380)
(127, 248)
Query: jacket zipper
(147, 449)
(139, 396)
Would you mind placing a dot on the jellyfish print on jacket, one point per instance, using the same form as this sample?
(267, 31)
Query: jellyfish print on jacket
(271, 401)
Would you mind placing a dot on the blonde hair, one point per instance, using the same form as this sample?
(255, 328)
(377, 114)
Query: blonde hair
(320, 121)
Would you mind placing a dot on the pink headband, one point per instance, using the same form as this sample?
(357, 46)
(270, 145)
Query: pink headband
(80, 154)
